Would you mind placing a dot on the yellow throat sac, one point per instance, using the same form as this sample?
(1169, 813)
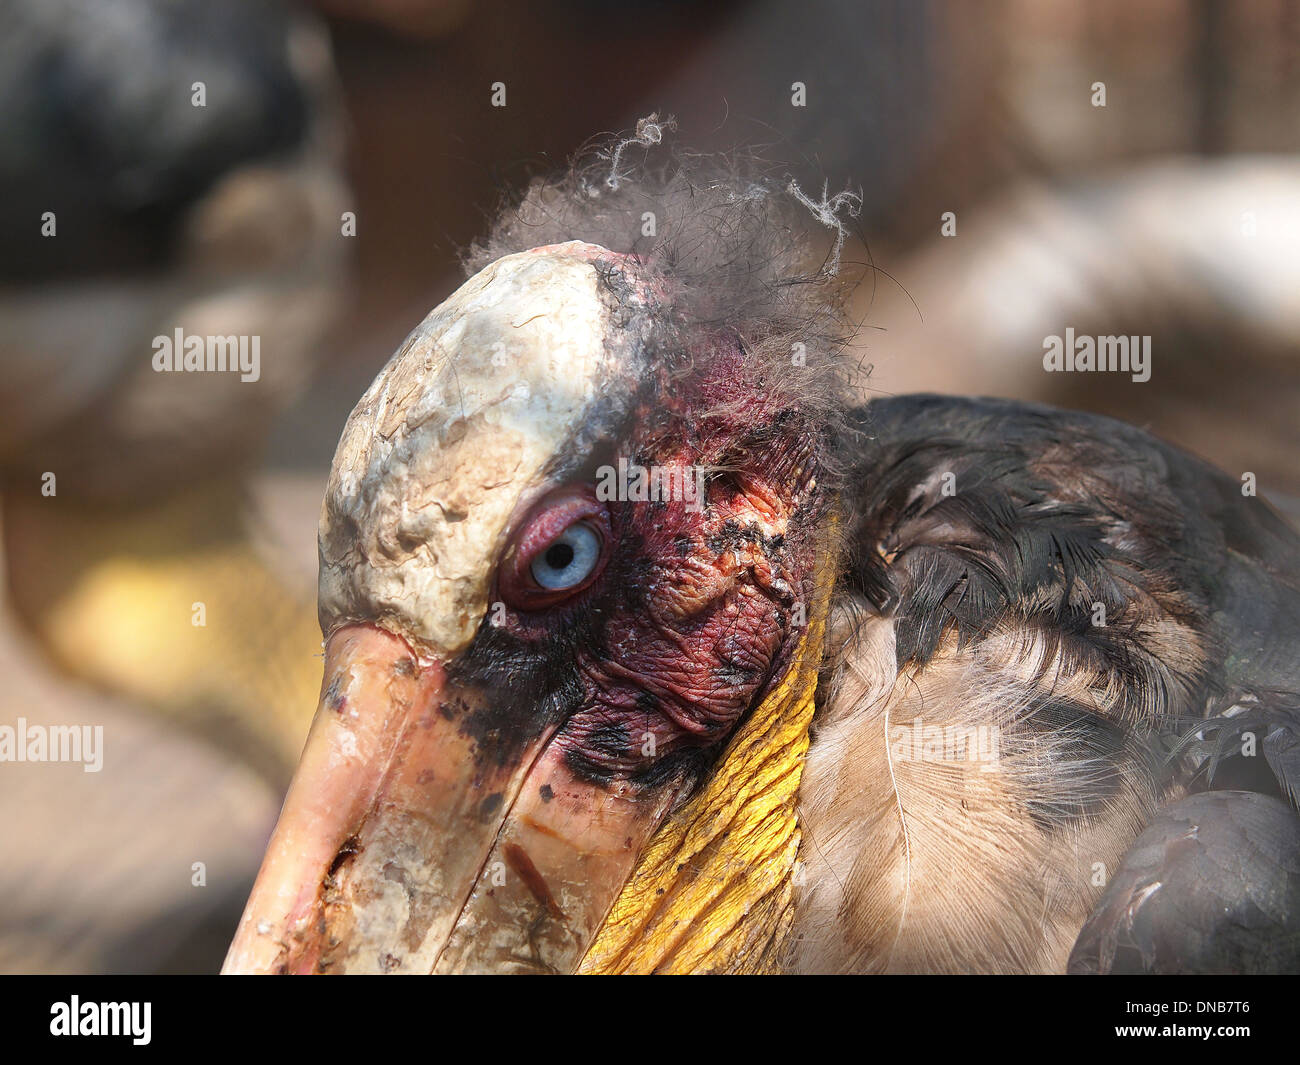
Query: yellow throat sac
(713, 892)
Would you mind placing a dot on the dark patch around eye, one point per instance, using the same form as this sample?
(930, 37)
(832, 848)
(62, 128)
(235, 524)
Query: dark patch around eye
(688, 765)
(612, 740)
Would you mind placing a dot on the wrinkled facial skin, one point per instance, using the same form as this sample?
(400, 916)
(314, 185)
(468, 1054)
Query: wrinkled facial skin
(697, 610)
(490, 755)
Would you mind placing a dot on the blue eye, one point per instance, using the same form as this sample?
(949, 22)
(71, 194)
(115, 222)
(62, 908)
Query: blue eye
(567, 560)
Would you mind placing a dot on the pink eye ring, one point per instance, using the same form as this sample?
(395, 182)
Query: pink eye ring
(559, 551)
(569, 559)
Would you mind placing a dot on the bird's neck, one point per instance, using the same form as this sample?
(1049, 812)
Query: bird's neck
(714, 890)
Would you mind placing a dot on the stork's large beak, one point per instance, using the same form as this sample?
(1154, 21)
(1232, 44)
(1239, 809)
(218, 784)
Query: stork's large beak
(400, 850)
(434, 824)
(424, 831)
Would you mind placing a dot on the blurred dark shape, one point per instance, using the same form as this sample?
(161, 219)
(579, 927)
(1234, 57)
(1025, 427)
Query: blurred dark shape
(1206, 888)
(96, 122)
(221, 219)
(215, 210)
(420, 18)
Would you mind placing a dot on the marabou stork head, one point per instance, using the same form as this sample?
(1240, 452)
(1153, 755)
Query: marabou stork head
(575, 555)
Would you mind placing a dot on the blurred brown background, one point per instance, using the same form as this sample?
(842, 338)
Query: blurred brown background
(1173, 211)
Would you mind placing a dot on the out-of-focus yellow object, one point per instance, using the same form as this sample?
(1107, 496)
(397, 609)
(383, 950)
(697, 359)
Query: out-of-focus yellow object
(713, 893)
(170, 605)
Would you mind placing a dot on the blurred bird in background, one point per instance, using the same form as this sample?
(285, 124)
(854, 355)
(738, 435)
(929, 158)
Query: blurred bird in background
(218, 219)
(165, 166)
(1171, 211)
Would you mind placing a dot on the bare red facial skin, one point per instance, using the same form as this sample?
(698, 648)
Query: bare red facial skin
(693, 614)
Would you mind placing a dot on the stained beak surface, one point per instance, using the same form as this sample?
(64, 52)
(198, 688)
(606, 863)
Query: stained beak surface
(434, 823)
(407, 843)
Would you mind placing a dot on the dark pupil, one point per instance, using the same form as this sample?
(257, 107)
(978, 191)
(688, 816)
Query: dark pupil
(558, 556)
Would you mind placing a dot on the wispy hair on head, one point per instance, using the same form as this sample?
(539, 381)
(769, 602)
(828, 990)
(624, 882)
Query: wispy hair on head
(739, 247)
